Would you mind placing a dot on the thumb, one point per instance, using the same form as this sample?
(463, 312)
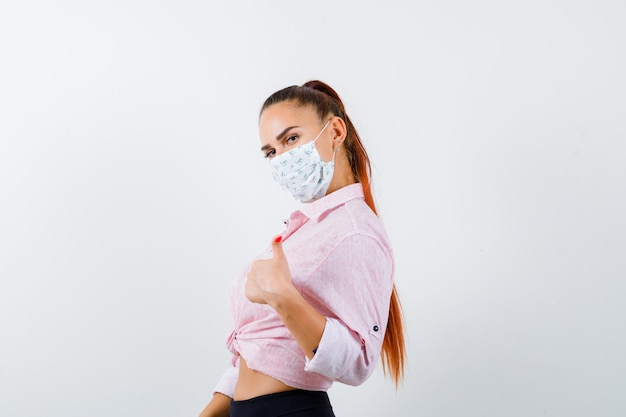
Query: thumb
(277, 247)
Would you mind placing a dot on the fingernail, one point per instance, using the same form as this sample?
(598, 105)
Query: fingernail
(278, 239)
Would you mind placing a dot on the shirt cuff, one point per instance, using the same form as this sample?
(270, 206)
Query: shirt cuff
(338, 349)
(226, 384)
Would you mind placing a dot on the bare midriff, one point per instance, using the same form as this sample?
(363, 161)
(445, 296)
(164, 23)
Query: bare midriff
(252, 383)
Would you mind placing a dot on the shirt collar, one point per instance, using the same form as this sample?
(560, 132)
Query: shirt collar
(317, 208)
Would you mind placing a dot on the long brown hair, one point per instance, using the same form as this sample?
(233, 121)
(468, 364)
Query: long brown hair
(326, 101)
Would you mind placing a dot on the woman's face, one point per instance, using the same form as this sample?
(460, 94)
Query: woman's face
(286, 125)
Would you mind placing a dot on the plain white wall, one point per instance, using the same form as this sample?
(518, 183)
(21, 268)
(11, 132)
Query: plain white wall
(132, 191)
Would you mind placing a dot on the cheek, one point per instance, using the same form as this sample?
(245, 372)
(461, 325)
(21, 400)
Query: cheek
(325, 149)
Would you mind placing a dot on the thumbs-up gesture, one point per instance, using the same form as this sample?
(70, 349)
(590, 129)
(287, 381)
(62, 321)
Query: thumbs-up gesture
(269, 279)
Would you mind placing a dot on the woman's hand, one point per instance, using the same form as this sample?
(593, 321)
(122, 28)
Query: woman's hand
(269, 282)
(269, 279)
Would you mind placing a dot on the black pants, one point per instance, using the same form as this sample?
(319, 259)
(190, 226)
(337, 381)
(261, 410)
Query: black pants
(296, 403)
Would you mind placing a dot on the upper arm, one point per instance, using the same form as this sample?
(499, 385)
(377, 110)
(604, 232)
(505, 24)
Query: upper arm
(353, 288)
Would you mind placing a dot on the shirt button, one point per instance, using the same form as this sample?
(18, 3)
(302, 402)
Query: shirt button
(375, 328)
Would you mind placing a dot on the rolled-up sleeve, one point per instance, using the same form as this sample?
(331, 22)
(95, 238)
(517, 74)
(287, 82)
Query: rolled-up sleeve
(353, 291)
(226, 384)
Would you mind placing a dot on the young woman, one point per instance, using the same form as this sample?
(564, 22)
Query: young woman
(319, 305)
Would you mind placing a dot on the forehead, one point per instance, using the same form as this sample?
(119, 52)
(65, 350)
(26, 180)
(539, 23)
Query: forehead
(287, 113)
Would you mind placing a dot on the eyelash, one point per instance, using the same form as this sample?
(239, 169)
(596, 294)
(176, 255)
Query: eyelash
(270, 153)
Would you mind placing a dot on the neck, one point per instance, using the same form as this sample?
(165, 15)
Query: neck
(342, 175)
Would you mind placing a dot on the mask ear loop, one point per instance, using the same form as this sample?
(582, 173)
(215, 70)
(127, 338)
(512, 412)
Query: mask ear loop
(334, 148)
(335, 151)
(319, 134)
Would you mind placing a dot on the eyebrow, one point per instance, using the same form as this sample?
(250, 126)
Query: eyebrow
(280, 135)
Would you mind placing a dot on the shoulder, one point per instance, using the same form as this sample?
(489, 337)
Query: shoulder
(354, 223)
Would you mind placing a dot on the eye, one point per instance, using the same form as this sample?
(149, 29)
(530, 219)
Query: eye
(270, 153)
(291, 139)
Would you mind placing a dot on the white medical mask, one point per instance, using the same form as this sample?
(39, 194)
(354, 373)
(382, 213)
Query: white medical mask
(302, 173)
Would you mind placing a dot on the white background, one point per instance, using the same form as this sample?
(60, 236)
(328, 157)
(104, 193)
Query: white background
(132, 192)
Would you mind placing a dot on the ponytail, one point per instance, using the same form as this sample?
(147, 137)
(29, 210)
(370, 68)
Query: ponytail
(326, 101)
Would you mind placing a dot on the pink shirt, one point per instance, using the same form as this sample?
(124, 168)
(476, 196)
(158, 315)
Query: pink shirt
(341, 261)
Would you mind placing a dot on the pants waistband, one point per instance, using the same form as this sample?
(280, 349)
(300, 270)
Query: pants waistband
(292, 403)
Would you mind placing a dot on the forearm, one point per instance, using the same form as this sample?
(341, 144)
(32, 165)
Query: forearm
(303, 321)
(219, 406)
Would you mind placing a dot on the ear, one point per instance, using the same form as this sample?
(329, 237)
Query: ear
(338, 129)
